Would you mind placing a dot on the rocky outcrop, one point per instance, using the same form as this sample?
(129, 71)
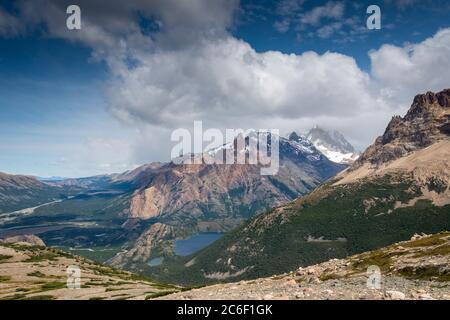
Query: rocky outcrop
(194, 193)
(27, 239)
(144, 246)
(427, 121)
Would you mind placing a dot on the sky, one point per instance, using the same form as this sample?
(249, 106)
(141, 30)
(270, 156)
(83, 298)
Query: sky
(107, 97)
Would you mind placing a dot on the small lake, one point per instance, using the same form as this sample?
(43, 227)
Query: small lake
(195, 243)
(155, 262)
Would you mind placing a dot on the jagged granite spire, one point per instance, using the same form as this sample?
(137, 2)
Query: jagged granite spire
(426, 122)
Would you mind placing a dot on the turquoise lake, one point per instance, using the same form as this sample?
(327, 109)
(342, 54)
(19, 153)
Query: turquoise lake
(195, 243)
(155, 262)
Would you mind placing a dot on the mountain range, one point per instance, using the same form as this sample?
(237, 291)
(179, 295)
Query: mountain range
(133, 216)
(186, 199)
(318, 209)
(398, 187)
(333, 145)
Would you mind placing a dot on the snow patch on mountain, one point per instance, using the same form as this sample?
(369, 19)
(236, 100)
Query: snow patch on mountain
(337, 156)
(333, 145)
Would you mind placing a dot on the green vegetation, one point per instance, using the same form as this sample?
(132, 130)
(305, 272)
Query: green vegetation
(4, 258)
(329, 276)
(98, 253)
(4, 278)
(441, 250)
(37, 274)
(426, 242)
(425, 273)
(42, 257)
(159, 294)
(113, 289)
(16, 296)
(15, 198)
(53, 286)
(39, 297)
(437, 185)
(381, 258)
(95, 283)
(353, 218)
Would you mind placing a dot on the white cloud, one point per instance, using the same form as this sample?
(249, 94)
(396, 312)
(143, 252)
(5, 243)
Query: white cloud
(402, 72)
(289, 7)
(282, 25)
(193, 69)
(226, 82)
(331, 10)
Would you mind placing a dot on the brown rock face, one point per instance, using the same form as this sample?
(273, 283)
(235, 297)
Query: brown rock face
(144, 245)
(427, 121)
(29, 239)
(193, 193)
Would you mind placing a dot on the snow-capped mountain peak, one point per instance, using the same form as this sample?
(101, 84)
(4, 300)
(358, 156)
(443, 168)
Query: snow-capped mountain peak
(333, 145)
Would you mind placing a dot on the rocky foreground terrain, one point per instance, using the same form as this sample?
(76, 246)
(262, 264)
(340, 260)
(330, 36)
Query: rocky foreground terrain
(415, 269)
(31, 271)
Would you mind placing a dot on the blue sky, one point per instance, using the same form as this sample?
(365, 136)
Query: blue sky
(72, 104)
(402, 21)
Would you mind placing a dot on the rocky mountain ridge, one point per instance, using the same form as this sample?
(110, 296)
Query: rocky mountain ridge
(427, 121)
(21, 191)
(365, 207)
(333, 145)
(191, 198)
(192, 190)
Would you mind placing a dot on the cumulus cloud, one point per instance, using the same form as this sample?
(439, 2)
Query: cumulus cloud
(402, 72)
(226, 82)
(189, 67)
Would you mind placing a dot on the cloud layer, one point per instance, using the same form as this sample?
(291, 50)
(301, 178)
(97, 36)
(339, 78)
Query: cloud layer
(402, 72)
(172, 64)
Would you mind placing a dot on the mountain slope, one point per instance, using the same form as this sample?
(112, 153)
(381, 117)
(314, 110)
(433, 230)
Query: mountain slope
(185, 192)
(372, 204)
(19, 192)
(427, 121)
(414, 269)
(333, 145)
(131, 210)
(30, 272)
(188, 198)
